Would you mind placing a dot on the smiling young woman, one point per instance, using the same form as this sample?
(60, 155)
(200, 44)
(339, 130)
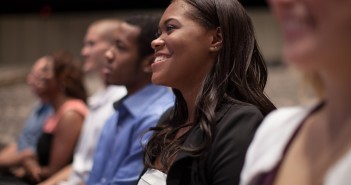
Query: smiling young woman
(206, 51)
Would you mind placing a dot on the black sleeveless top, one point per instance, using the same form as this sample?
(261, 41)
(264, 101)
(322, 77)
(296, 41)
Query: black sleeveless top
(44, 148)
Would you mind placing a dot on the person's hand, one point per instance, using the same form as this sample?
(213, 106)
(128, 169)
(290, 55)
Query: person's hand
(33, 170)
(26, 154)
(18, 172)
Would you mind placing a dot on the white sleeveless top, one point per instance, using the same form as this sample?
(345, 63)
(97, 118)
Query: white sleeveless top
(274, 133)
(153, 177)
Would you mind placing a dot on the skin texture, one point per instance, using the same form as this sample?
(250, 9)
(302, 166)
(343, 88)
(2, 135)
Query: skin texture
(186, 46)
(36, 78)
(123, 66)
(96, 42)
(317, 41)
(315, 32)
(183, 47)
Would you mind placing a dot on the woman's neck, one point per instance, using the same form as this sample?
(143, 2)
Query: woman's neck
(323, 135)
(338, 97)
(58, 100)
(190, 95)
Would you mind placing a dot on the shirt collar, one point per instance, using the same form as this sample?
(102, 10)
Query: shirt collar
(137, 102)
(43, 108)
(103, 97)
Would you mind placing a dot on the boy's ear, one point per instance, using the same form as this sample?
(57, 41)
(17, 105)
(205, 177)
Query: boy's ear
(146, 63)
(217, 40)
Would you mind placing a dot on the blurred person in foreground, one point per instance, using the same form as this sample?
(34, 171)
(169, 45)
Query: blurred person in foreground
(98, 39)
(309, 145)
(119, 154)
(13, 154)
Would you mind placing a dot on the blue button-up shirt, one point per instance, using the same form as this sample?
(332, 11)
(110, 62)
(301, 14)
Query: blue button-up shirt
(119, 154)
(33, 127)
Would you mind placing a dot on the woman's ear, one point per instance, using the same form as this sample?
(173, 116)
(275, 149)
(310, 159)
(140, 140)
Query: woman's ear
(146, 63)
(217, 40)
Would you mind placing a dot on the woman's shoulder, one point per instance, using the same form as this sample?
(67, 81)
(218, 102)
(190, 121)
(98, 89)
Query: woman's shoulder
(238, 110)
(240, 121)
(75, 105)
(244, 108)
(270, 140)
(282, 121)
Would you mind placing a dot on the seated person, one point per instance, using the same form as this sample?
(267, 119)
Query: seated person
(98, 39)
(64, 90)
(119, 153)
(12, 154)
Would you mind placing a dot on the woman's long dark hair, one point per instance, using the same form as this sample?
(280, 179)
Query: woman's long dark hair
(238, 75)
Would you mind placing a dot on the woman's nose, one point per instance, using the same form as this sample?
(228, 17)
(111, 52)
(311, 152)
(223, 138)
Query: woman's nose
(157, 44)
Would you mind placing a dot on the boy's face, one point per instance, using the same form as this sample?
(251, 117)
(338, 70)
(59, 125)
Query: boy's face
(123, 65)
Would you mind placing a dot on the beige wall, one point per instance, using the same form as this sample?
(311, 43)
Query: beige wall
(267, 33)
(23, 38)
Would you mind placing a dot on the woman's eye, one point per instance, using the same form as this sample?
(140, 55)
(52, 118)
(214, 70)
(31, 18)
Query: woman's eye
(170, 28)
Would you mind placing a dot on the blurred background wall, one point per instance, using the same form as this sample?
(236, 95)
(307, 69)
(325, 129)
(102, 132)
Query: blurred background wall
(26, 36)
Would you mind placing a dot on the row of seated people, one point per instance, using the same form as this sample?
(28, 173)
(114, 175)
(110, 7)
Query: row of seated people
(205, 131)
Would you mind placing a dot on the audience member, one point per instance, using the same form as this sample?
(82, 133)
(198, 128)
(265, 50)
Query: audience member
(14, 153)
(207, 52)
(98, 39)
(119, 153)
(64, 90)
(309, 145)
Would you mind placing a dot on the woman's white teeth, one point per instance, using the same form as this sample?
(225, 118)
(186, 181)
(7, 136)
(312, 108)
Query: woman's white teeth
(160, 59)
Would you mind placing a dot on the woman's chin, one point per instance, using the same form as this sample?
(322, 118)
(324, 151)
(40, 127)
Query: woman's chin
(299, 56)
